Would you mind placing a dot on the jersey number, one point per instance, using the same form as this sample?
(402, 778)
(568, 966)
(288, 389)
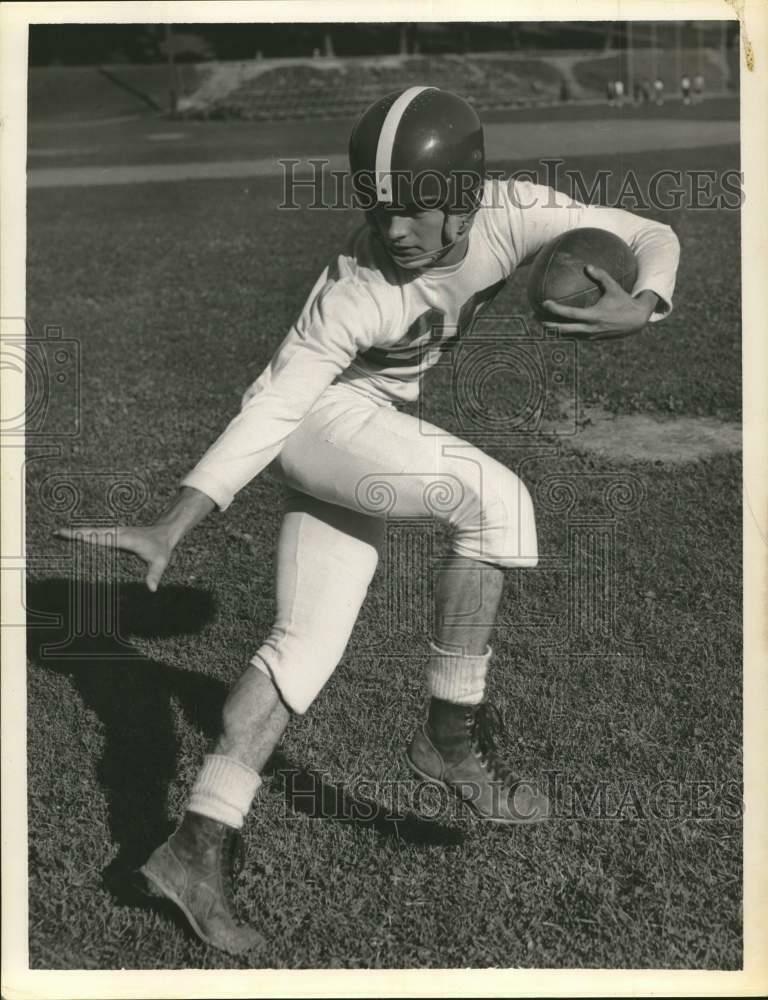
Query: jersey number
(432, 322)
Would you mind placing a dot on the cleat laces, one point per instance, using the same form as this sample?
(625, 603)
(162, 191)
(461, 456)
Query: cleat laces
(234, 855)
(487, 725)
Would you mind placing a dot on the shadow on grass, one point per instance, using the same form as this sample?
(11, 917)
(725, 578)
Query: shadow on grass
(78, 629)
(310, 793)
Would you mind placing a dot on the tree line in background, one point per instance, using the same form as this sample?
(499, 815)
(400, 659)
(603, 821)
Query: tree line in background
(93, 44)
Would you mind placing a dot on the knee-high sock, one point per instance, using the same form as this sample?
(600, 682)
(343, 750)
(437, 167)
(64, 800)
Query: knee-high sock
(224, 790)
(459, 679)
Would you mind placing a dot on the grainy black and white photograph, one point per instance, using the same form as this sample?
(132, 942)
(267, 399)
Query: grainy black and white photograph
(381, 570)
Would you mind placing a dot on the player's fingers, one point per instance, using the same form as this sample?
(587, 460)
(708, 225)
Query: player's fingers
(154, 574)
(576, 328)
(569, 312)
(606, 281)
(92, 535)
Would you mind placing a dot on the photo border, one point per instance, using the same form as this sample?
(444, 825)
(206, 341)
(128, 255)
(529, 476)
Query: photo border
(18, 980)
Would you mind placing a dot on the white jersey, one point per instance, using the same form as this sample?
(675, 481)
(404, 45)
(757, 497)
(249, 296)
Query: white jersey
(379, 328)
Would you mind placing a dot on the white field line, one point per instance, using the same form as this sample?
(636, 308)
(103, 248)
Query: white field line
(505, 141)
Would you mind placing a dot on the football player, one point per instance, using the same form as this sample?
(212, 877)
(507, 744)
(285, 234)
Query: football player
(439, 241)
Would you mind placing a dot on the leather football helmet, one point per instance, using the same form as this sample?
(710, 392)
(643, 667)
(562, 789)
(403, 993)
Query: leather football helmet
(418, 147)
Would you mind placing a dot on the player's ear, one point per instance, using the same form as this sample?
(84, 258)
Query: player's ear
(456, 226)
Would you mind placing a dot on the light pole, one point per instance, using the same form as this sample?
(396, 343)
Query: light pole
(724, 55)
(699, 46)
(172, 82)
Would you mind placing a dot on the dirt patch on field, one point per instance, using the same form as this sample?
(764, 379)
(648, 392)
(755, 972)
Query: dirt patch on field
(641, 438)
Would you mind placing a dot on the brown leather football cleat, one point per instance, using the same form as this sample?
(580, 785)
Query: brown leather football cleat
(194, 868)
(456, 749)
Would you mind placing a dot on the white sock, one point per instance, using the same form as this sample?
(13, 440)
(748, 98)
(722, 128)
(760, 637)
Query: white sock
(224, 790)
(455, 678)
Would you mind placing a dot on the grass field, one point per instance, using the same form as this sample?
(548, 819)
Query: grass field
(177, 295)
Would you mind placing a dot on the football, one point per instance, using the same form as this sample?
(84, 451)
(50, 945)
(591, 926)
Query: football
(558, 271)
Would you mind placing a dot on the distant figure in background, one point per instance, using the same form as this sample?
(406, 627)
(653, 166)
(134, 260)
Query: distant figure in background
(698, 88)
(610, 92)
(658, 89)
(618, 89)
(685, 89)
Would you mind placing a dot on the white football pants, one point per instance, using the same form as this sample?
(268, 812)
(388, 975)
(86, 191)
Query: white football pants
(352, 463)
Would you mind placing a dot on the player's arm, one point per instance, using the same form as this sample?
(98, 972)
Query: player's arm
(339, 321)
(328, 335)
(538, 214)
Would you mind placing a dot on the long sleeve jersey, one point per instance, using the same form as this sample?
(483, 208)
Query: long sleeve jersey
(379, 328)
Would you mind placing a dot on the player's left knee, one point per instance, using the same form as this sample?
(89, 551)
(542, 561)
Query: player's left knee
(504, 530)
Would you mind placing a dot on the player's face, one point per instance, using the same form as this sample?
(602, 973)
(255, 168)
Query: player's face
(412, 234)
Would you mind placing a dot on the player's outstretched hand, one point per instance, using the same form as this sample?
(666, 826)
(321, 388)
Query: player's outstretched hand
(616, 314)
(152, 545)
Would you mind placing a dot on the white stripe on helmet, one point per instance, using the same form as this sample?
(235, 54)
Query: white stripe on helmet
(386, 142)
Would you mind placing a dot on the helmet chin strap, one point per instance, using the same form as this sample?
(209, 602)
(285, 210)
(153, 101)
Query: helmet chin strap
(432, 257)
